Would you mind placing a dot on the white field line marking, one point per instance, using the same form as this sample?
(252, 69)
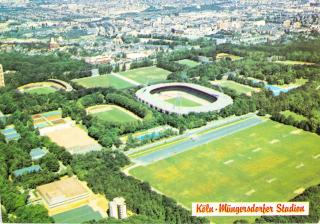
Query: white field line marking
(250, 192)
(257, 150)
(300, 165)
(126, 79)
(271, 180)
(274, 141)
(229, 161)
(316, 156)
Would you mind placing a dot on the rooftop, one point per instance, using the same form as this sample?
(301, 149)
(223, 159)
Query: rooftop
(62, 191)
(37, 153)
(27, 170)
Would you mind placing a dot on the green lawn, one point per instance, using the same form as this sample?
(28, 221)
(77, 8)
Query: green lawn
(78, 215)
(268, 162)
(146, 75)
(103, 81)
(40, 90)
(115, 115)
(183, 102)
(239, 88)
(226, 55)
(296, 83)
(188, 62)
(296, 117)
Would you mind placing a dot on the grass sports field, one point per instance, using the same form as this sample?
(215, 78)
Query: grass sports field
(78, 215)
(41, 90)
(288, 62)
(103, 81)
(183, 102)
(225, 55)
(112, 113)
(267, 162)
(146, 75)
(239, 88)
(188, 62)
(296, 83)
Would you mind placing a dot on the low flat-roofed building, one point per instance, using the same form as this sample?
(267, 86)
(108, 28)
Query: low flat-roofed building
(37, 153)
(10, 134)
(27, 170)
(63, 192)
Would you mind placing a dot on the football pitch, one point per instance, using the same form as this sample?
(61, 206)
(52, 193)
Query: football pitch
(103, 81)
(112, 113)
(267, 162)
(41, 90)
(188, 63)
(226, 55)
(146, 75)
(239, 88)
(78, 215)
(183, 102)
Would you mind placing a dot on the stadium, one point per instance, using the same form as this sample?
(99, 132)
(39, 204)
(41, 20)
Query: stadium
(182, 98)
(46, 87)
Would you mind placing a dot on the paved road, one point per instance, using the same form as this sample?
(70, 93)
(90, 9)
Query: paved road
(210, 125)
(200, 140)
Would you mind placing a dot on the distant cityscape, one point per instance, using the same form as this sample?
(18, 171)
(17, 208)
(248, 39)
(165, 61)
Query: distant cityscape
(124, 31)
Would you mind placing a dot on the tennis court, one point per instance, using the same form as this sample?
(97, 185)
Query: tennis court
(78, 215)
(47, 119)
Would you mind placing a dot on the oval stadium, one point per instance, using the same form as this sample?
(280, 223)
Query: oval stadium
(183, 98)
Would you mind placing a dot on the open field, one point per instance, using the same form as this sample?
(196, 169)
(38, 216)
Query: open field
(41, 90)
(146, 75)
(289, 62)
(112, 113)
(183, 102)
(296, 117)
(188, 62)
(226, 55)
(78, 215)
(239, 88)
(73, 138)
(103, 81)
(267, 162)
(297, 83)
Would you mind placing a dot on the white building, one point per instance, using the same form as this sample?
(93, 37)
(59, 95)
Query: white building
(118, 208)
(2, 84)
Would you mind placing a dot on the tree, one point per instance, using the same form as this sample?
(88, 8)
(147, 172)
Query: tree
(33, 214)
(50, 162)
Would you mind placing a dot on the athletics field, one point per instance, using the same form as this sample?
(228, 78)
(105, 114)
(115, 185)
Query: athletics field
(112, 113)
(183, 102)
(265, 162)
(41, 90)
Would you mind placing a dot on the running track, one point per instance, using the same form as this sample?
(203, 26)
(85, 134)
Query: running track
(202, 139)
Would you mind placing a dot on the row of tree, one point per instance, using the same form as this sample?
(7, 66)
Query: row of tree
(101, 170)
